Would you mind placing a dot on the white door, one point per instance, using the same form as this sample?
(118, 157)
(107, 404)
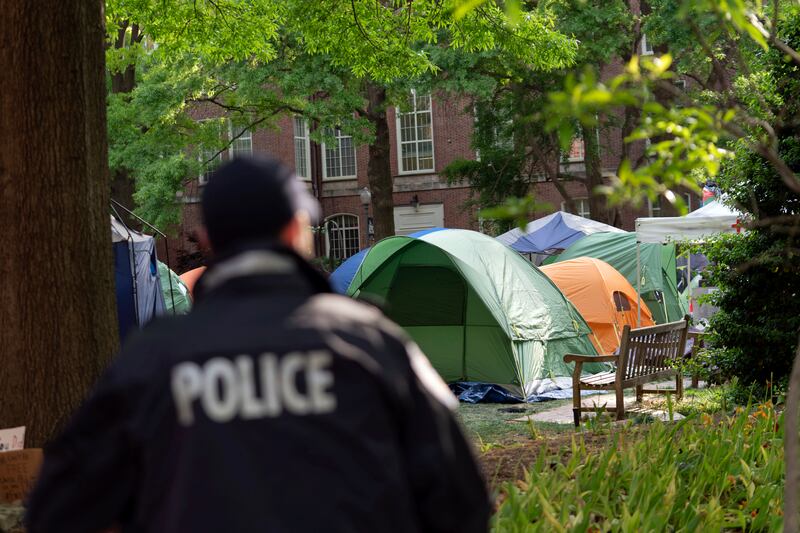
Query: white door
(408, 219)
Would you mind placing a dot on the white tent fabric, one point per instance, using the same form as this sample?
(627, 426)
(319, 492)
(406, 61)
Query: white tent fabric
(709, 220)
(714, 209)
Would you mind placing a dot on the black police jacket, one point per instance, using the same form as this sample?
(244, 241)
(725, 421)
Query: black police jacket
(272, 406)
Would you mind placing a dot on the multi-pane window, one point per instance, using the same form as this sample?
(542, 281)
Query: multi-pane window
(239, 143)
(581, 206)
(654, 207)
(211, 157)
(343, 236)
(302, 149)
(415, 134)
(210, 160)
(340, 157)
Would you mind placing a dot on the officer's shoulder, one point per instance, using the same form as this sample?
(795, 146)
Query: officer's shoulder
(150, 345)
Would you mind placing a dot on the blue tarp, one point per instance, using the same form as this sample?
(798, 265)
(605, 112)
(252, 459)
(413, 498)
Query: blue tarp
(552, 233)
(341, 277)
(475, 392)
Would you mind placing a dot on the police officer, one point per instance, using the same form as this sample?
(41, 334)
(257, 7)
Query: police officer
(273, 406)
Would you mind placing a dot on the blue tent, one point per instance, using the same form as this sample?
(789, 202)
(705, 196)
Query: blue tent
(341, 277)
(553, 233)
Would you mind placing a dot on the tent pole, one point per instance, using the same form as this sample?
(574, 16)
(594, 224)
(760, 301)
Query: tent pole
(169, 276)
(638, 286)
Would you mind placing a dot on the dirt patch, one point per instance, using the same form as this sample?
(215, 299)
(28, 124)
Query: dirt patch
(508, 461)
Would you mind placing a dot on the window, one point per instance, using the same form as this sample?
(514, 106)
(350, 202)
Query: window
(342, 236)
(646, 49)
(581, 205)
(687, 199)
(680, 84)
(340, 158)
(415, 135)
(654, 207)
(302, 149)
(576, 150)
(241, 143)
(210, 160)
(212, 157)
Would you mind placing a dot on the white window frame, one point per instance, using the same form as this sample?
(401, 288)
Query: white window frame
(687, 198)
(247, 135)
(583, 207)
(338, 135)
(654, 210)
(644, 48)
(226, 154)
(680, 84)
(329, 229)
(306, 139)
(398, 113)
(202, 178)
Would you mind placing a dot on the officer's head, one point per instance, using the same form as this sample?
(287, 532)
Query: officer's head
(257, 199)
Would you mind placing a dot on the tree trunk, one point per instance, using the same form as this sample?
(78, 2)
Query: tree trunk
(123, 82)
(56, 280)
(594, 175)
(379, 167)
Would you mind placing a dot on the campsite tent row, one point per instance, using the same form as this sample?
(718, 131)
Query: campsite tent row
(597, 272)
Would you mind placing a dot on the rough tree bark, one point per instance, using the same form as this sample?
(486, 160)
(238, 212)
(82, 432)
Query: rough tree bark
(57, 313)
(379, 167)
(791, 450)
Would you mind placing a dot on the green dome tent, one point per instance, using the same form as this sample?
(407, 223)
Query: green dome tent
(659, 288)
(176, 295)
(477, 309)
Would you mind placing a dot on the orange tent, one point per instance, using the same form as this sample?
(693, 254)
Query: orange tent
(603, 297)
(189, 278)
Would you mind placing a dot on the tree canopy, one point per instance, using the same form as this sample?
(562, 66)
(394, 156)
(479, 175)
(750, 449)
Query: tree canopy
(252, 62)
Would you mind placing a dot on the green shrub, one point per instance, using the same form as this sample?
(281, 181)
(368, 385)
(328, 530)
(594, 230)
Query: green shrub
(754, 334)
(700, 474)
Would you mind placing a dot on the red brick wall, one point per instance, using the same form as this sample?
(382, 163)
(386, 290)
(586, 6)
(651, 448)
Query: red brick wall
(452, 130)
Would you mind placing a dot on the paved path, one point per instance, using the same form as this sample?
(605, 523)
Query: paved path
(563, 414)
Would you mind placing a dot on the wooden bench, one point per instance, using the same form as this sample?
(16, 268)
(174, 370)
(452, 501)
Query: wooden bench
(645, 355)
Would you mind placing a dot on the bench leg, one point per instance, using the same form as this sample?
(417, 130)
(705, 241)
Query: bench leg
(620, 404)
(576, 393)
(639, 393)
(679, 386)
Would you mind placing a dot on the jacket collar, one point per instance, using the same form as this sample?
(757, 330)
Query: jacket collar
(259, 260)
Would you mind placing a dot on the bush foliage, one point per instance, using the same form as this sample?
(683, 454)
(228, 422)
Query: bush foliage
(756, 330)
(700, 474)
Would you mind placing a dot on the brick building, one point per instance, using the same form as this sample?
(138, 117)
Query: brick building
(432, 134)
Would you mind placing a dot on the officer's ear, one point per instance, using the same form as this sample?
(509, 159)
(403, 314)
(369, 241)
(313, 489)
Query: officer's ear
(296, 234)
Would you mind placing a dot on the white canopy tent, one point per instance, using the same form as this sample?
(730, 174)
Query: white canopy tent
(711, 219)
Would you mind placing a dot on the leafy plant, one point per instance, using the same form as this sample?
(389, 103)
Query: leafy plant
(699, 474)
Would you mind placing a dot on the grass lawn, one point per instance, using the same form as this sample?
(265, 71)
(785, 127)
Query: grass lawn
(491, 423)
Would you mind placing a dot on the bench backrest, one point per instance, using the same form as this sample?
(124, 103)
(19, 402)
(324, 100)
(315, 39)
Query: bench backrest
(649, 350)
